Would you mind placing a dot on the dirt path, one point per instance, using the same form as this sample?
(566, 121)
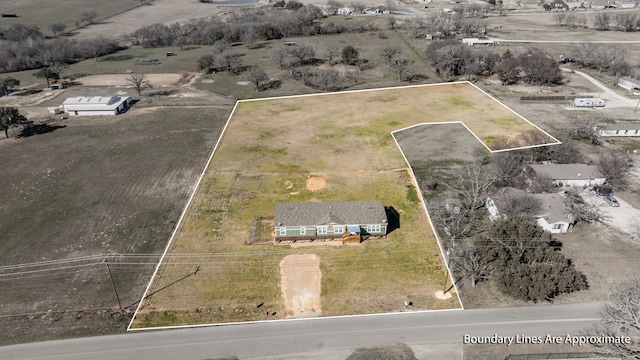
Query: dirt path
(300, 274)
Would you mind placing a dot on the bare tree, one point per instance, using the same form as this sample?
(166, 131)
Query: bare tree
(255, 75)
(333, 6)
(471, 186)
(139, 82)
(586, 128)
(508, 168)
(415, 25)
(332, 53)
(279, 54)
(581, 210)
(620, 317)
(57, 28)
(560, 18)
(615, 167)
(457, 221)
(601, 21)
(228, 60)
(389, 53)
(391, 22)
(519, 203)
(249, 37)
(403, 68)
(89, 17)
(541, 184)
(358, 7)
(468, 261)
(220, 46)
(303, 52)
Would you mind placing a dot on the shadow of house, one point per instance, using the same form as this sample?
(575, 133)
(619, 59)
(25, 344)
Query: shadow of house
(393, 219)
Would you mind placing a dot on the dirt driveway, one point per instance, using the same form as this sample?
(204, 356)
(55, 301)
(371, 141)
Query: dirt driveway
(625, 217)
(300, 274)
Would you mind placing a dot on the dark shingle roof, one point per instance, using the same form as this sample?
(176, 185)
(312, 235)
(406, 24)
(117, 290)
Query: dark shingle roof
(568, 171)
(324, 213)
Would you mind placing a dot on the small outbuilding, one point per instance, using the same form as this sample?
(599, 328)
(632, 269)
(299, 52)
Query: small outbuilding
(346, 221)
(96, 105)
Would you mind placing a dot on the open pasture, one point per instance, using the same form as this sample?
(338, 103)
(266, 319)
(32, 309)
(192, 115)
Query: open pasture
(268, 151)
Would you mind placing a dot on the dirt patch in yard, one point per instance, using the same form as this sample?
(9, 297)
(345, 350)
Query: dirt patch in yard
(300, 285)
(123, 80)
(315, 183)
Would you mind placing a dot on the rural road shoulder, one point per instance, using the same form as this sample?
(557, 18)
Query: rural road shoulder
(318, 334)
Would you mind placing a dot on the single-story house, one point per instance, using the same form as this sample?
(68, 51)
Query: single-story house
(96, 105)
(570, 174)
(629, 5)
(558, 5)
(553, 215)
(345, 11)
(588, 102)
(630, 84)
(328, 220)
(610, 130)
(377, 10)
(476, 41)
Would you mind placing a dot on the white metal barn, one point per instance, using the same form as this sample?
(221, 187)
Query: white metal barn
(96, 105)
(610, 130)
(630, 84)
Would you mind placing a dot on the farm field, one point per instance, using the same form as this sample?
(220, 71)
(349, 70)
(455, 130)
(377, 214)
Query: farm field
(44, 13)
(260, 163)
(82, 189)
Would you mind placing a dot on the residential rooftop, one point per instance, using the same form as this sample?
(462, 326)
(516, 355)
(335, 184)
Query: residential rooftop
(326, 213)
(567, 171)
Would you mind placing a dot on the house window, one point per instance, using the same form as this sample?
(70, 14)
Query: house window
(338, 229)
(373, 228)
(322, 230)
(303, 230)
(283, 231)
(557, 226)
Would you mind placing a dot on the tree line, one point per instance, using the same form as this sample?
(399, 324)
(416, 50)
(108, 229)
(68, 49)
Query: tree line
(601, 21)
(26, 47)
(246, 25)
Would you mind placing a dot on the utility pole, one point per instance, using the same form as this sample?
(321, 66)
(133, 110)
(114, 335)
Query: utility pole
(106, 261)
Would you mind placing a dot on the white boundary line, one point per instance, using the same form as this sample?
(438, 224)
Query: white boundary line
(433, 229)
(320, 318)
(184, 212)
(413, 178)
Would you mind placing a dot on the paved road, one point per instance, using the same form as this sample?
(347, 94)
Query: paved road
(318, 334)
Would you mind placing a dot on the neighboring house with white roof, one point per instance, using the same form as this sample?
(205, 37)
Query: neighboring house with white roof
(630, 84)
(570, 174)
(612, 130)
(553, 215)
(96, 105)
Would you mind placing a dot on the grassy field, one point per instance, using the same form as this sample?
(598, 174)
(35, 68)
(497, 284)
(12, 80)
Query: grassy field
(349, 144)
(44, 13)
(87, 188)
